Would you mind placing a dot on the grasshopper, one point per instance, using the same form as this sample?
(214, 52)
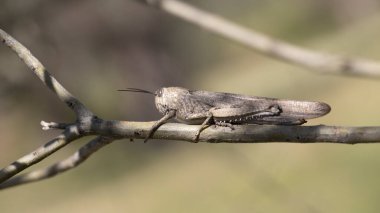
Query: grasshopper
(226, 109)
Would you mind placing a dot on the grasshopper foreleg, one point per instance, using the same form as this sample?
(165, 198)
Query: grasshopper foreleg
(170, 114)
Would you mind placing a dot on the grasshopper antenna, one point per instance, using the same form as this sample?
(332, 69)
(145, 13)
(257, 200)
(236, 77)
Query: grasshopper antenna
(170, 114)
(136, 90)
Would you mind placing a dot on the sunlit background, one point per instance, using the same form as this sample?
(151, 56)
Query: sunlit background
(95, 47)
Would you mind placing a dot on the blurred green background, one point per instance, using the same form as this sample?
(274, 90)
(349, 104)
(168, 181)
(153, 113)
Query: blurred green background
(95, 47)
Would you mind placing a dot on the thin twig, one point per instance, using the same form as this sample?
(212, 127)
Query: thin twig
(39, 154)
(317, 61)
(38, 68)
(69, 163)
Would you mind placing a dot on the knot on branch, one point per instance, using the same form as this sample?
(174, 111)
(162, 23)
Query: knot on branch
(87, 123)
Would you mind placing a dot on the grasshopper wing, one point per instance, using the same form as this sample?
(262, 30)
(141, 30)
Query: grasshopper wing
(237, 108)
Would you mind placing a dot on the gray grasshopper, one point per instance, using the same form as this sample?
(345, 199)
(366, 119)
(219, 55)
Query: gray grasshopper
(225, 109)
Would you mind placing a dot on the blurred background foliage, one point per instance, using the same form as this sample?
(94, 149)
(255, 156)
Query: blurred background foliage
(95, 47)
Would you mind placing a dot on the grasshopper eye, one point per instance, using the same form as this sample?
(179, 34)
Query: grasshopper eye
(159, 93)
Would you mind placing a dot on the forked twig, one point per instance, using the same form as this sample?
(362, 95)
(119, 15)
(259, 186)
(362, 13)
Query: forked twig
(69, 135)
(71, 162)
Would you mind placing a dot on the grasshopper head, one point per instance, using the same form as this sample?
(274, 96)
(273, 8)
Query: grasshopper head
(168, 98)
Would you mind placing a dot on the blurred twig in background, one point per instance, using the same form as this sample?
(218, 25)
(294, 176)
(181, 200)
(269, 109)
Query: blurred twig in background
(317, 61)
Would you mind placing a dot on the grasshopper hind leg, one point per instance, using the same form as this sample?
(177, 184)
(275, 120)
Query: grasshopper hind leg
(226, 117)
(224, 124)
(280, 120)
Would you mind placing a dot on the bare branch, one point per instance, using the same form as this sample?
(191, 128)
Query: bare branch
(317, 61)
(40, 153)
(241, 133)
(36, 66)
(69, 163)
